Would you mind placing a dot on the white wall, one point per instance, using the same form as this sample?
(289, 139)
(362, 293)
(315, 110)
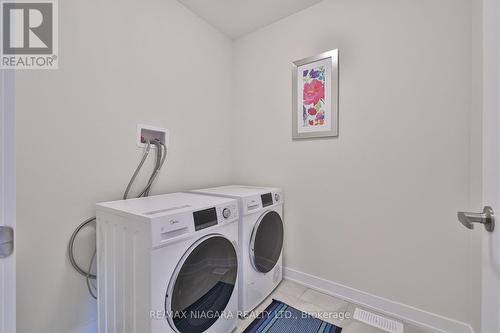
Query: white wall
(374, 209)
(121, 63)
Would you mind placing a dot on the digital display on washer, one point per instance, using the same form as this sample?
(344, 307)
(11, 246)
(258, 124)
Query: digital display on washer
(267, 199)
(205, 218)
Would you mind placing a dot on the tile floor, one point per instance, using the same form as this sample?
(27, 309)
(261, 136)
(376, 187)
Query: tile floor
(311, 301)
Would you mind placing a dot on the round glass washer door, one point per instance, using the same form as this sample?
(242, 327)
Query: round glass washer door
(202, 285)
(267, 242)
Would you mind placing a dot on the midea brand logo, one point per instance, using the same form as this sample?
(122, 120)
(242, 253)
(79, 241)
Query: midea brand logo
(29, 38)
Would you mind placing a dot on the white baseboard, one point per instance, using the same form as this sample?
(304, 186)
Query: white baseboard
(397, 310)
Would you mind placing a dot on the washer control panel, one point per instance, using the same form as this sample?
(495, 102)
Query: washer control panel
(229, 212)
(170, 228)
(205, 218)
(209, 217)
(267, 199)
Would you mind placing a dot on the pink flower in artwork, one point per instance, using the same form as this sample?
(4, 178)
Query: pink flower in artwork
(313, 92)
(312, 111)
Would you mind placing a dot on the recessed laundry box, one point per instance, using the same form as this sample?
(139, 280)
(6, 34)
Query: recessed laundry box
(261, 240)
(168, 263)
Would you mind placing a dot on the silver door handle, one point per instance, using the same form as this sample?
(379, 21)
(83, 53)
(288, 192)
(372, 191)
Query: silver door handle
(6, 241)
(487, 218)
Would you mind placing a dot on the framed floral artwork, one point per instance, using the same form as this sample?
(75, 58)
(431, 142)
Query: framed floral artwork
(315, 87)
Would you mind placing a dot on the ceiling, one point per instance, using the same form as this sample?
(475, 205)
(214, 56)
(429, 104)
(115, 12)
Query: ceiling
(239, 17)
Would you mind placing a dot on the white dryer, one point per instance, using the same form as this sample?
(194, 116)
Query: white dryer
(261, 240)
(167, 264)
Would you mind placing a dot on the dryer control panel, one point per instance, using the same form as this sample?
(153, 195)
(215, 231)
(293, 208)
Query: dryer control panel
(256, 202)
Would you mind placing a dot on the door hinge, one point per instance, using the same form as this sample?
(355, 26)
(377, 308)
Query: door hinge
(6, 241)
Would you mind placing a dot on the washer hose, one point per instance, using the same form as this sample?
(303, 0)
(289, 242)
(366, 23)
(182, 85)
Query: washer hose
(161, 156)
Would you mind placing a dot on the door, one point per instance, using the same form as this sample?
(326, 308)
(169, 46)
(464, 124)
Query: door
(202, 284)
(7, 204)
(267, 242)
(491, 164)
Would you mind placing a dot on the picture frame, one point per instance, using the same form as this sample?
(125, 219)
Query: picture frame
(315, 96)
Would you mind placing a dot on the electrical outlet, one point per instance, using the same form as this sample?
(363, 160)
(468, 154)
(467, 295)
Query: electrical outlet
(150, 133)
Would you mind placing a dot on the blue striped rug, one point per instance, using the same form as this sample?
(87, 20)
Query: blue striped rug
(281, 318)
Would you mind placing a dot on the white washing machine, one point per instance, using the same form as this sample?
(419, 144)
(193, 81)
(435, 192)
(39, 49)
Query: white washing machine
(167, 263)
(261, 240)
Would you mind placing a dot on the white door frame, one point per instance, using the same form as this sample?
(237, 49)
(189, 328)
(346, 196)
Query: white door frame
(7, 198)
(491, 165)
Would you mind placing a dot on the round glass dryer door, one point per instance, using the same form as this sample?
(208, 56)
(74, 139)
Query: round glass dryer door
(204, 285)
(267, 242)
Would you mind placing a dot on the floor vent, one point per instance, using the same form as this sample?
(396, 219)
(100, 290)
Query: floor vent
(386, 324)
